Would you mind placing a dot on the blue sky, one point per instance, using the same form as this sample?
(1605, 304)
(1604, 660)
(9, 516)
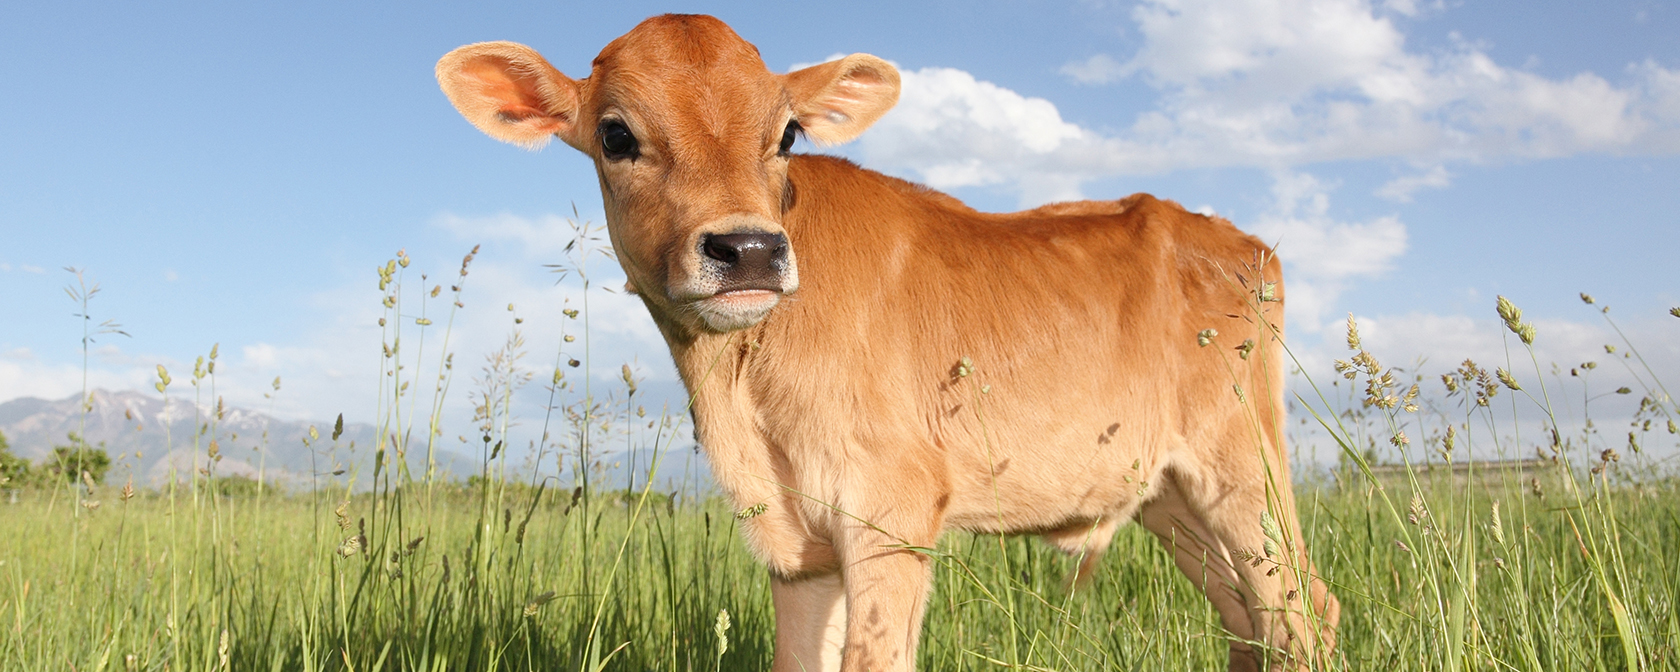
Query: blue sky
(233, 174)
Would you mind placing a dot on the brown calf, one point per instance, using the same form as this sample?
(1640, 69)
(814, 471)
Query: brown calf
(921, 366)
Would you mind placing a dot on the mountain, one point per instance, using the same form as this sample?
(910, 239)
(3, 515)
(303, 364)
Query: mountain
(148, 440)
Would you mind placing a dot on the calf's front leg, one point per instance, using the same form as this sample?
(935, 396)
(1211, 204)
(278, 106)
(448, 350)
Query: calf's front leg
(886, 590)
(810, 622)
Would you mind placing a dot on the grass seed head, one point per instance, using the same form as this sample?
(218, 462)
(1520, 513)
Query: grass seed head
(343, 516)
(1205, 337)
(721, 629)
(1346, 369)
(351, 545)
(537, 602)
(753, 511)
(1509, 312)
(1269, 527)
(1352, 333)
(1506, 378)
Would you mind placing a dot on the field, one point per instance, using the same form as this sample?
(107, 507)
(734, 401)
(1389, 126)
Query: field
(482, 579)
(1572, 565)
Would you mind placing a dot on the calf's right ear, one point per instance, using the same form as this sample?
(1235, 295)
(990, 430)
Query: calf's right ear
(510, 92)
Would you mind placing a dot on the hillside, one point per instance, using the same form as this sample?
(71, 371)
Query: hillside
(148, 440)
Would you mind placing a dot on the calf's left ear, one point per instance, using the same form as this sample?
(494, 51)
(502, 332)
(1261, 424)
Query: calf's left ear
(837, 100)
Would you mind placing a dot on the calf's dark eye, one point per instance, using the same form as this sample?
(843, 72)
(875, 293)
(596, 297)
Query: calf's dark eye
(788, 136)
(616, 141)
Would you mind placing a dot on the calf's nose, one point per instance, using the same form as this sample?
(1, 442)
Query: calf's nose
(747, 260)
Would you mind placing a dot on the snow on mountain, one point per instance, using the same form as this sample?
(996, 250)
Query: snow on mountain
(148, 440)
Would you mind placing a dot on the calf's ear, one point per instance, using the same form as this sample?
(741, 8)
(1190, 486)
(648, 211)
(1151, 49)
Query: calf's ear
(837, 100)
(510, 92)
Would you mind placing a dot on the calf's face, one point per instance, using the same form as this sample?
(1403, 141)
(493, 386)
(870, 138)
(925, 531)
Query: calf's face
(690, 135)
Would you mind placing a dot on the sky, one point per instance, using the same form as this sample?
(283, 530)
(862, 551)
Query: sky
(233, 174)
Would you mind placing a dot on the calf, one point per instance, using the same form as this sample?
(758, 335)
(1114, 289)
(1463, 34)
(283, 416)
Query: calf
(872, 362)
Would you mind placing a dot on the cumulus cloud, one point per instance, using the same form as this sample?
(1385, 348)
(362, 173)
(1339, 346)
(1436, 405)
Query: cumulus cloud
(542, 236)
(25, 374)
(1273, 84)
(1289, 82)
(1098, 69)
(1322, 255)
(1400, 189)
(952, 130)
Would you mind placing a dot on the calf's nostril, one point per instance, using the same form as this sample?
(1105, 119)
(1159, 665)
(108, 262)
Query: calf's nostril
(721, 249)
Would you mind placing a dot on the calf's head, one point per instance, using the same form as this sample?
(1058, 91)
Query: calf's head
(690, 136)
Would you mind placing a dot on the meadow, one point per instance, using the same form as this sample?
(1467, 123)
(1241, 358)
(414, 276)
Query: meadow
(1572, 563)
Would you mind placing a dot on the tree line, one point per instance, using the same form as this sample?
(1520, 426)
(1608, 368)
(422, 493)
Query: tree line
(66, 463)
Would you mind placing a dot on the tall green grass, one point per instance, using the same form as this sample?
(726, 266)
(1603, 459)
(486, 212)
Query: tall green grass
(390, 567)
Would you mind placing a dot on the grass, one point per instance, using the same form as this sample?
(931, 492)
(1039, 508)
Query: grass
(150, 589)
(1575, 570)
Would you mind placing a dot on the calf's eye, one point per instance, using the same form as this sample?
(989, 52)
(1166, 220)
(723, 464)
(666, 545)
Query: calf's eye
(788, 136)
(616, 141)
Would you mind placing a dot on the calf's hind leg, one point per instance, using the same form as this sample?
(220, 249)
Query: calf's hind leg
(1202, 557)
(1210, 528)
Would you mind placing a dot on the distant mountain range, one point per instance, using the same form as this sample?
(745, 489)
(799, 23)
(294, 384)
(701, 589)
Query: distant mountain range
(149, 441)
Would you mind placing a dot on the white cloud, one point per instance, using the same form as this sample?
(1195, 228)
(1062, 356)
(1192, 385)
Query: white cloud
(24, 374)
(1322, 255)
(1290, 82)
(542, 236)
(26, 268)
(1272, 84)
(1400, 189)
(953, 130)
(1409, 8)
(1098, 69)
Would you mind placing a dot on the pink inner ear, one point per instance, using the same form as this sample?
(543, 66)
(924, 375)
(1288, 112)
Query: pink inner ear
(490, 76)
(515, 113)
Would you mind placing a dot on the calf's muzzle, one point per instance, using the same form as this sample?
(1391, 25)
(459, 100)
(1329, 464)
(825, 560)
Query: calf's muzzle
(746, 261)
